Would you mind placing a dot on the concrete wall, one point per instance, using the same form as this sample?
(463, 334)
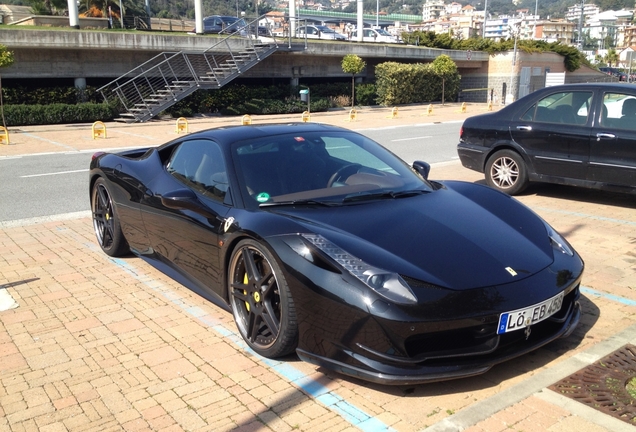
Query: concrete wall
(62, 21)
(499, 72)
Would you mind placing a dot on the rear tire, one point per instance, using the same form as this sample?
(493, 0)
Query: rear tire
(506, 172)
(106, 222)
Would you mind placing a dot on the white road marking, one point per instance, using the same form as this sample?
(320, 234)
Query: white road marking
(410, 139)
(54, 173)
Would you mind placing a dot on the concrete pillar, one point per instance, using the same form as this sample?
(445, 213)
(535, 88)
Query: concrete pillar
(73, 14)
(198, 16)
(360, 19)
(80, 85)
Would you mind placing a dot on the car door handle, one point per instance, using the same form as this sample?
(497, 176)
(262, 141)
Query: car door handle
(600, 136)
(524, 128)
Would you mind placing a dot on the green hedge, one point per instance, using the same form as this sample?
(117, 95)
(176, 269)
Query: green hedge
(21, 115)
(401, 83)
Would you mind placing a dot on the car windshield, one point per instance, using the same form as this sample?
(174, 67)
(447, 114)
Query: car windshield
(321, 167)
(383, 32)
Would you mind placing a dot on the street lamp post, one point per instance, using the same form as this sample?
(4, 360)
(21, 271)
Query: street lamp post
(483, 30)
(514, 30)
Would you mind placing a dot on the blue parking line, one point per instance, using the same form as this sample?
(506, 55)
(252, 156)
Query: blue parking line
(320, 393)
(587, 216)
(608, 296)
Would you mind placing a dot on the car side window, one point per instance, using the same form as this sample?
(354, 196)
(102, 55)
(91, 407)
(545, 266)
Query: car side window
(571, 108)
(199, 164)
(619, 111)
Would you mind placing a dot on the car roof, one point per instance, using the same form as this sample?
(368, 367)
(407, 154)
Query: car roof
(228, 134)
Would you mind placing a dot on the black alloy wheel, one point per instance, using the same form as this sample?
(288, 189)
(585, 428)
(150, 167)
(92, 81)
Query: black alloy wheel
(506, 172)
(105, 221)
(261, 303)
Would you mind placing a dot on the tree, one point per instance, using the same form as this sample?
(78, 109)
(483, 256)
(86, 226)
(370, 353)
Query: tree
(611, 58)
(352, 64)
(6, 59)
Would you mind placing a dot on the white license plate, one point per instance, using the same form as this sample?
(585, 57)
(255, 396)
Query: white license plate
(522, 318)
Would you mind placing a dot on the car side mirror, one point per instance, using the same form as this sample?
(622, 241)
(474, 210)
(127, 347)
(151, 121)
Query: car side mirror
(185, 199)
(422, 168)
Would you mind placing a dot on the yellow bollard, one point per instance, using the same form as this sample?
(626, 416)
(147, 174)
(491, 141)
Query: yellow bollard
(430, 109)
(246, 120)
(463, 107)
(99, 130)
(394, 113)
(4, 135)
(306, 116)
(490, 106)
(352, 115)
(181, 125)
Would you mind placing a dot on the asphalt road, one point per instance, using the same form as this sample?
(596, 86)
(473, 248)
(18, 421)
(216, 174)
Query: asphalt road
(57, 183)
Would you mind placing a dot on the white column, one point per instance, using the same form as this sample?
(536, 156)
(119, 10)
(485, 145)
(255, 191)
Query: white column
(73, 14)
(360, 19)
(198, 16)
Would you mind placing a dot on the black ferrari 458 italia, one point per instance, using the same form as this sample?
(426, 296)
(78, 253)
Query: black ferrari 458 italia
(323, 243)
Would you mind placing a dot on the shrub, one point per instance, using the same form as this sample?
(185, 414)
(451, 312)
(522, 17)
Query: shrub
(21, 115)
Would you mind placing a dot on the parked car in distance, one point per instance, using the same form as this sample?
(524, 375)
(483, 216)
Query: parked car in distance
(577, 134)
(319, 32)
(224, 24)
(622, 76)
(375, 35)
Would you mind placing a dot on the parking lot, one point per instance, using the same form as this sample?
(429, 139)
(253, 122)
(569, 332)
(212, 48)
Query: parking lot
(101, 344)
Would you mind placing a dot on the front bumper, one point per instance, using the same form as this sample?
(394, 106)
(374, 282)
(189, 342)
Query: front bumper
(357, 365)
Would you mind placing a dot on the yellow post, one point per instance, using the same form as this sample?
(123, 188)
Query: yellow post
(4, 135)
(430, 109)
(181, 125)
(246, 120)
(490, 106)
(394, 113)
(352, 115)
(306, 116)
(99, 130)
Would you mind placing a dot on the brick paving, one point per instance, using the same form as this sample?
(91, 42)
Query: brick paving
(100, 344)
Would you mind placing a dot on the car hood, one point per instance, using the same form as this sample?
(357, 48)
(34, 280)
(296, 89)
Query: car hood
(462, 236)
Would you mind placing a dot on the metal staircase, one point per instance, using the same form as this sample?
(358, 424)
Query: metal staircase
(171, 76)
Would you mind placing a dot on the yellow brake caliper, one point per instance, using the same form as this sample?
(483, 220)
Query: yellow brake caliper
(245, 282)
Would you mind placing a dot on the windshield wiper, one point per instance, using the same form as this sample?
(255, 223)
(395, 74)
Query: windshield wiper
(385, 195)
(299, 202)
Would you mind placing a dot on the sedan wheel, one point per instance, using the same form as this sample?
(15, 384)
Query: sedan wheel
(105, 222)
(506, 171)
(261, 302)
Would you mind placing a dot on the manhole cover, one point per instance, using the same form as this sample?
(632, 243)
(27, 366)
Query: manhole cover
(602, 385)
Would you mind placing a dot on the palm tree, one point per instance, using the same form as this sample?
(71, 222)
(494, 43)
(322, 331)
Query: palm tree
(611, 58)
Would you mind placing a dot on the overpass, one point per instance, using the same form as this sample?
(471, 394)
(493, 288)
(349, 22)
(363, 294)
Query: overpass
(105, 55)
(335, 17)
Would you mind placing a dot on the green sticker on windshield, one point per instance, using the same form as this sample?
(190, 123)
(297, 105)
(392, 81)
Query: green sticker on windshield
(262, 197)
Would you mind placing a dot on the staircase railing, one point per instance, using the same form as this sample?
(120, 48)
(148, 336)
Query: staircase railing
(165, 79)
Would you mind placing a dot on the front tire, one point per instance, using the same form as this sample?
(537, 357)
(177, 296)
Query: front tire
(506, 172)
(106, 222)
(262, 305)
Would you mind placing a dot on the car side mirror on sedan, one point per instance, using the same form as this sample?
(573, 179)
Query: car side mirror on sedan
(185, 199)
(422, 168)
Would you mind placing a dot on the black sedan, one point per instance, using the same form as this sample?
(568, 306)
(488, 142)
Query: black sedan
(323, 243)
(579, 135)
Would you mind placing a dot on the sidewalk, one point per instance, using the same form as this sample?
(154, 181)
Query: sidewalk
(78, 137)
(101, 344)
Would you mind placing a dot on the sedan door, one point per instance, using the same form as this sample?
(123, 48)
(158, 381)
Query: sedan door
(613, 149)
(555, 133)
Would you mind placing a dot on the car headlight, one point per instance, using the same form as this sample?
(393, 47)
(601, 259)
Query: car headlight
(387, 284)
(558, 242)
